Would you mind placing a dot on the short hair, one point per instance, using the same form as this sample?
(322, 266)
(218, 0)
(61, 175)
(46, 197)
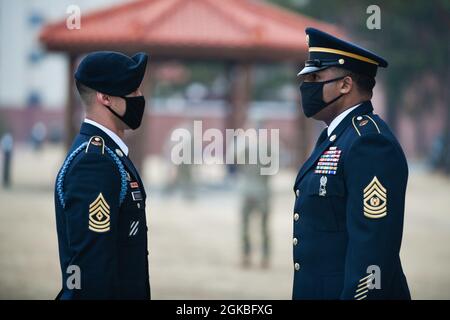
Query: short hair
(364, 83)
(86, 94)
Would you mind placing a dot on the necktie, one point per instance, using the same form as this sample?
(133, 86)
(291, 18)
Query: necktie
(323, 136)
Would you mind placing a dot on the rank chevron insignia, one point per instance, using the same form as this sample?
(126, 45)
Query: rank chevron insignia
(375, 200)
(99, 219)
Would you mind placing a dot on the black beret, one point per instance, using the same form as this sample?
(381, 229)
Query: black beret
(326, 50)
(112, 73)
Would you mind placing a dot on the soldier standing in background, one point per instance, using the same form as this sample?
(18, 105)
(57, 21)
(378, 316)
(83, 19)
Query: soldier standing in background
(256, 199)
(7, 144)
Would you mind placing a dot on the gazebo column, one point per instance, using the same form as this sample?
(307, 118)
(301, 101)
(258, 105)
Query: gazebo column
(240, 95)
(70, 114)
(137, 140)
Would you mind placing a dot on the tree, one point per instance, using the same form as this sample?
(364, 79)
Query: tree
(414, 37)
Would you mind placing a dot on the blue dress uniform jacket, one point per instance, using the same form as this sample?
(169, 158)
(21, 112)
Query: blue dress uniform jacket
(348, 214)
(101, 221)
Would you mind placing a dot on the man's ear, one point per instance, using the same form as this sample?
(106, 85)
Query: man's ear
(103, 99)
(347, 85)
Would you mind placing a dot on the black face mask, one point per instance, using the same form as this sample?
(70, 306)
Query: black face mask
(312, 96)
(134, 111)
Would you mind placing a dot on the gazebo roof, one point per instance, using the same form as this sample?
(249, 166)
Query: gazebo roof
(211, 29)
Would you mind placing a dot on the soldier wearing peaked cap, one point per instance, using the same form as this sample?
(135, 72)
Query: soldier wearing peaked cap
(99, 195)
(350, 192)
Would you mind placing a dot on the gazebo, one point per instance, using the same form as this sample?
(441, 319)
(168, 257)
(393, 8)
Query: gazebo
(239, 33)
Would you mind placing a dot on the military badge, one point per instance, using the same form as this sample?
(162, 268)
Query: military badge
(134, 227)
(136, 195)
(323, 186)
(134, 185)
(363, 123)
(375, 200)
(96, 141)
(328, 162)
(99, 220)
(363, 287)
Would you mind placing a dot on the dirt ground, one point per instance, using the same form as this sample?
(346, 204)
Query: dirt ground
(195, 245)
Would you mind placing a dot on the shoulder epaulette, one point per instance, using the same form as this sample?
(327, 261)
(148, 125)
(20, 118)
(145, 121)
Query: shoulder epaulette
(96, 144)
(365, 124)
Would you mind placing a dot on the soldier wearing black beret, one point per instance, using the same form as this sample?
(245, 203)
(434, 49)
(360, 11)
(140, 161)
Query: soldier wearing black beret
(350, 193)
(99, 195)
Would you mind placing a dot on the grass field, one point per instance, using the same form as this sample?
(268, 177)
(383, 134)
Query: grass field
(195, 245)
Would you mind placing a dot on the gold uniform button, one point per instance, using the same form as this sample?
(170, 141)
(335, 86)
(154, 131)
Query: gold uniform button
(119, 153)
(296, 266)
(333, 137)
(297, 192)
(359, 118)
(295, 241)
(296, 216)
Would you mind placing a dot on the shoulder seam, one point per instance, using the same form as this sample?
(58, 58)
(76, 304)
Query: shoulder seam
(367, 136)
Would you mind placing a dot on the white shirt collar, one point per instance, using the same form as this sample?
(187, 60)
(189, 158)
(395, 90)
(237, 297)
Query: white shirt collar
(111, 134)
(339, 118)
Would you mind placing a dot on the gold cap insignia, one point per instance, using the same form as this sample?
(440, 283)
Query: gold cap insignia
(375, 200)
(99, 219)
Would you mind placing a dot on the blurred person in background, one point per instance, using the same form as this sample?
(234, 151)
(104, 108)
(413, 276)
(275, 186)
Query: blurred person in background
(38, 135)
(7, 145)
(99, 195)
(256, 195)
(181, 176)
